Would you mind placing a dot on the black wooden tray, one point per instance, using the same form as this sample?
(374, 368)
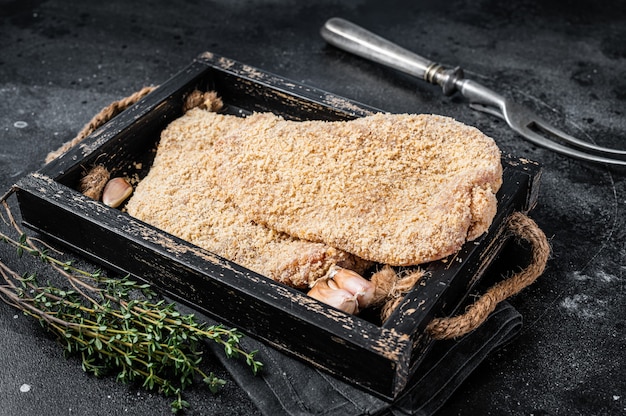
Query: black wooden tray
(379, 358)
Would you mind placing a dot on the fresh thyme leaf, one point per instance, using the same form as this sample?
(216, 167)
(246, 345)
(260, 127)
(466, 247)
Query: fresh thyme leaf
(115, 326)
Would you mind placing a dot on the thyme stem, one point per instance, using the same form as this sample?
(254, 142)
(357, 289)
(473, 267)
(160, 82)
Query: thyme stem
(112, 324)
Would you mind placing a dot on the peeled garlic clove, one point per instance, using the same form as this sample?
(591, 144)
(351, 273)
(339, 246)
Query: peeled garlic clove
(338, 298)
(354, 283)
(116, 191)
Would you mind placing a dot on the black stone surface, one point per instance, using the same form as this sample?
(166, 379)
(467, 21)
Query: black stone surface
(62, 61)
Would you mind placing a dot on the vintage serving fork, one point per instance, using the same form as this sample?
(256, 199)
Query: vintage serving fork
(359, 41)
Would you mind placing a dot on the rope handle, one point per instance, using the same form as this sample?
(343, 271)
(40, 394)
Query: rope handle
(523, 228)
(106, 114)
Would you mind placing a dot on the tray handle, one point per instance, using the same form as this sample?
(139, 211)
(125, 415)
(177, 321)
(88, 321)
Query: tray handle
(523, 228)
(104, 115)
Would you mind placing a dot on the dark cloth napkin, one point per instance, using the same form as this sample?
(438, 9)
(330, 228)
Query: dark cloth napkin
(287, 386)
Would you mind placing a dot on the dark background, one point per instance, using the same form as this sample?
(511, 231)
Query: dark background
(62, 61)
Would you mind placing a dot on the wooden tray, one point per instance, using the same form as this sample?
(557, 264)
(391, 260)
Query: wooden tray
(379, 358)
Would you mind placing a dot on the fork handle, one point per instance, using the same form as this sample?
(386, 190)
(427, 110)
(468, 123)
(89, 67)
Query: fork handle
(359, 41)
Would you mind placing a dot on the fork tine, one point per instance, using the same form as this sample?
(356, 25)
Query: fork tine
(542, 133)
(541, 140)
(534, 129)
(561, 135)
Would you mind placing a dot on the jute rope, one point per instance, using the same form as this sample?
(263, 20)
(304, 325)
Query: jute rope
(390, 287)
(524, 228)
(106, 114)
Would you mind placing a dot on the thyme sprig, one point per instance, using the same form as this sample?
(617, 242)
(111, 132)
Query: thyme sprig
(116, 326)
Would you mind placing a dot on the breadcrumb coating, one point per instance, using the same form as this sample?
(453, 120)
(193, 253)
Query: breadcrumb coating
(395, 189)
(181, 195)
(290, 199)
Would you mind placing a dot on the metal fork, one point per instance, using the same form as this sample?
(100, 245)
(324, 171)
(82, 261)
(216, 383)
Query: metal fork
(359, 41)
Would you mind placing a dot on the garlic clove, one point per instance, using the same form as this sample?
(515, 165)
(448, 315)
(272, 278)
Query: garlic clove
(354, 283)
(115, 192)
(341, 299)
